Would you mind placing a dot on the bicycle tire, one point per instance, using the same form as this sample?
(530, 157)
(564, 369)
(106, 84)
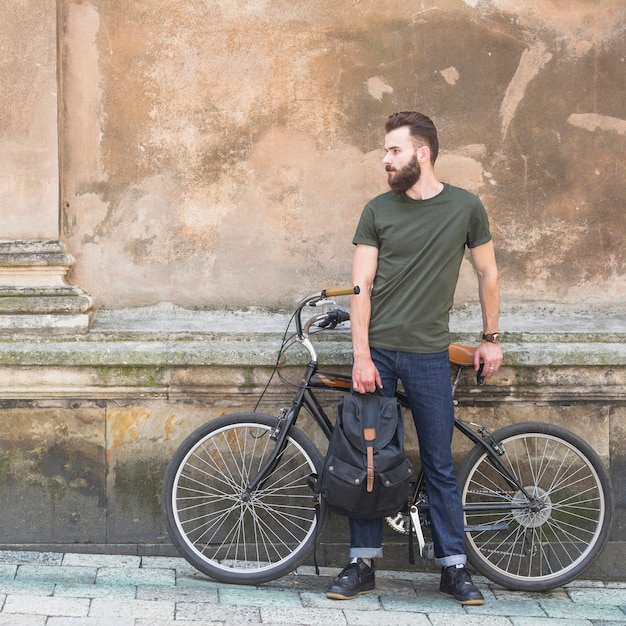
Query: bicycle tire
(224, 535)
(540, 548)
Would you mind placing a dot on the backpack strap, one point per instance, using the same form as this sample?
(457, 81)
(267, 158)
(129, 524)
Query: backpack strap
(369, 435)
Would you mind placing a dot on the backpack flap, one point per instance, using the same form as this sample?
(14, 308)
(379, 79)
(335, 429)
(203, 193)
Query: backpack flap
(366, 472)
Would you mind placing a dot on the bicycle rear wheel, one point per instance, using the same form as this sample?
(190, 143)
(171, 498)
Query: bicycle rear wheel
(229, 536)
(549, 539)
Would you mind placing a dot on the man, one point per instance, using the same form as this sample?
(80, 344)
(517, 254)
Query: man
(409, 246)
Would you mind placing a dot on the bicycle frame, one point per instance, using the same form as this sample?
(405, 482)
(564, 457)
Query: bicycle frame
(305, 397)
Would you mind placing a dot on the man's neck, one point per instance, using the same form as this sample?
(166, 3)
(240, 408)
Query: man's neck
(425, 188)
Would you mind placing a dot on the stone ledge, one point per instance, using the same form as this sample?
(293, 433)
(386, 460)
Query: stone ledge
(170, 336)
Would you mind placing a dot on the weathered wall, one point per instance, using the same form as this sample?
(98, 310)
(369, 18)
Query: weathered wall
(84, 447)
(219, 153)
(29, 164)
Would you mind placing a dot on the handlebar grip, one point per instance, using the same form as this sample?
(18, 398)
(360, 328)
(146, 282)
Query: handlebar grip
(341, 291)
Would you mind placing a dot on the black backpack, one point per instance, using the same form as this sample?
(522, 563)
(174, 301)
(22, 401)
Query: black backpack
(366, 473)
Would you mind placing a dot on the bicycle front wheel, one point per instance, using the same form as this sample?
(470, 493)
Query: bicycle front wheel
(225, 533)
(550, 530)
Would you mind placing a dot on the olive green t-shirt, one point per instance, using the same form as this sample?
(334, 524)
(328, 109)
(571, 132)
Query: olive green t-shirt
(420, 248)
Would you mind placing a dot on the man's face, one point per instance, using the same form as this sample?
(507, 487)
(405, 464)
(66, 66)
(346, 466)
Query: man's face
(401, 164)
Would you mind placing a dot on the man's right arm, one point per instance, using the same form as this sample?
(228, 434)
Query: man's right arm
(365, 376)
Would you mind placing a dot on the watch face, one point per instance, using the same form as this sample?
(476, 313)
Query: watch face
(492, 338)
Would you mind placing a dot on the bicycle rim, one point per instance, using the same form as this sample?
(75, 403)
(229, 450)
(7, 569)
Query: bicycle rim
(550, 534)
(221, 531)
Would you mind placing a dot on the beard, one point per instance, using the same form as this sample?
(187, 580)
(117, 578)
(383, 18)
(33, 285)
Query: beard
(403, 179)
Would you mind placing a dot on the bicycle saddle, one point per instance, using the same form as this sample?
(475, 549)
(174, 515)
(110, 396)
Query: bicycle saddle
(461, 355)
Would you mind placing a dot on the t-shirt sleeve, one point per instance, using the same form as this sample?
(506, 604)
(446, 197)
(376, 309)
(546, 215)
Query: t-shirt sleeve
(478, 231)
(366, 232)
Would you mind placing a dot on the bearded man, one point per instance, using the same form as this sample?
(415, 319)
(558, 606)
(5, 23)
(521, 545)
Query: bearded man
(410, 243)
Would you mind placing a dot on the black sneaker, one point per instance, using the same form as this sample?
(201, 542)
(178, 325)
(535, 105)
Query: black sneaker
(456, 582)
(354, 580)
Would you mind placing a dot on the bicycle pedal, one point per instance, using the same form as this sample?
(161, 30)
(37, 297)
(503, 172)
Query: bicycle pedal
(428, 553)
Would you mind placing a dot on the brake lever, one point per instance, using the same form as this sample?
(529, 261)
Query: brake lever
(322, 301)
(334, 317)
(480, 379)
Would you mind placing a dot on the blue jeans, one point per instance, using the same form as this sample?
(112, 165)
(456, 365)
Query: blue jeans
(426, 381)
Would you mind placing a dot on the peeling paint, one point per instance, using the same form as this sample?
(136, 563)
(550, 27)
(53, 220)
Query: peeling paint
(593, 122)
(531, 62)
(123, 425)
(377, 87)
(450, 75)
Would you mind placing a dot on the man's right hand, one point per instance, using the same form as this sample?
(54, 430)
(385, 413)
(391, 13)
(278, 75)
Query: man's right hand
(365, 376)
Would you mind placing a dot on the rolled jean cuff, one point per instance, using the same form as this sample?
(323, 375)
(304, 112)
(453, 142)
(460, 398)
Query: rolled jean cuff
(366, 553)
(447, 561)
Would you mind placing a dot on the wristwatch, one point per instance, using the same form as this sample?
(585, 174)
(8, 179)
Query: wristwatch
(491, 337)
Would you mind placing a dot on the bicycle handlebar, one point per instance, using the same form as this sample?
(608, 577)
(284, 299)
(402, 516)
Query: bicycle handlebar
(314, 300)
(341, 291)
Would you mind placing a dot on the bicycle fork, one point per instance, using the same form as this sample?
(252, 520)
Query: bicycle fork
(284, 420)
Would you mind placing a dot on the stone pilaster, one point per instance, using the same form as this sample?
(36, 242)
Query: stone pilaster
(34, 295)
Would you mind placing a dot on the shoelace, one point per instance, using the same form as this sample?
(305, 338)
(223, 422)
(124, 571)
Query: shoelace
(463, 577)
(347, 569)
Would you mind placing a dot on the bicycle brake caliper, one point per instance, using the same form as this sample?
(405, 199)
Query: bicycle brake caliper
(496, 446)
(280, 420)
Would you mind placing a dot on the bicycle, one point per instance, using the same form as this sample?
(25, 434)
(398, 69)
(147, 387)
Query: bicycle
(537, 499)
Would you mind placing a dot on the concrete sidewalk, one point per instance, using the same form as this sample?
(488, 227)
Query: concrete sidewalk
(56, 589)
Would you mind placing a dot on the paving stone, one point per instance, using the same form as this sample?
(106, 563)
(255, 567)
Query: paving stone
(36, 587)
(397, 587)
(7, 571)
(579, 610)
(6, 619)
(43, 605)
(196, 579)
(301, 582)
(58, 573)
(538, 596)
(604, 596)
(91, 621)
(442, 619)
(368, 602)
(548, 621)
(135, 576)
(94, 591)
(123, 608)
(509, 608)
(201, 611)
(19, 557)
(310, 617)
(167, 562)
(178, 594)
(177, 622)
(259, 597)
(101, 560)
(422, 604)
(587, 584)
(385, 618)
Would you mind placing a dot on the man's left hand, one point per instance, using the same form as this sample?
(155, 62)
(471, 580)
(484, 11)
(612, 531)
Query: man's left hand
(490, 354)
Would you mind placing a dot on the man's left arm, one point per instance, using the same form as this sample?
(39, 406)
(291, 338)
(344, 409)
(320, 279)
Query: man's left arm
(484, 261)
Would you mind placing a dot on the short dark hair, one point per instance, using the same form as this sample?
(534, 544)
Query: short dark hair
(421, 128)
